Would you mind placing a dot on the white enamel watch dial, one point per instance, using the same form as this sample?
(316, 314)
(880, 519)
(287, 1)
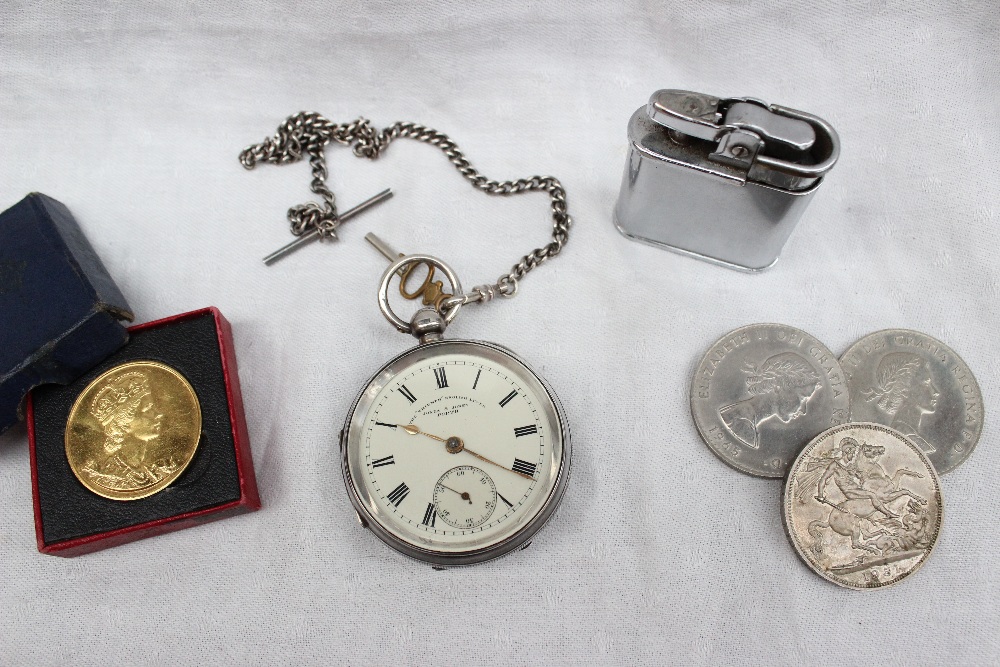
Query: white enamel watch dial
(455, 452)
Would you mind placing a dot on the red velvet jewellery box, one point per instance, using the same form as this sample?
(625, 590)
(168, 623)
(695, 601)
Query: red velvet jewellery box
(218, 482)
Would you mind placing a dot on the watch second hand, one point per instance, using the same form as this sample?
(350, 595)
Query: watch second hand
(413, 429)
(465, 494)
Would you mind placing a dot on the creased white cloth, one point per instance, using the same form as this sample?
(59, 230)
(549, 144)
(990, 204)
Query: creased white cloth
(133, 115)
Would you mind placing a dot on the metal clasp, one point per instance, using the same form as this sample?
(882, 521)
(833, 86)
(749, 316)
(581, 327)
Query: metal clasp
(776, 145)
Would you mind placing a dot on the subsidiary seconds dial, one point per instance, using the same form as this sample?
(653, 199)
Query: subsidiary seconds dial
(455, 452)
(465, 497)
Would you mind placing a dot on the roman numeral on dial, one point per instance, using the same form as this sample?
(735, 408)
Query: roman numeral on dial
(398, 495)
(525, 430)
(507, 399)
(523, 467)
(387, 461)
(407, 393)
(441, 378)
(429, 515)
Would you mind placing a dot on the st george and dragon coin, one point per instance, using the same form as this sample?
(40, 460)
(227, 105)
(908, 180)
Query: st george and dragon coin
(862, 506)
(133, 430)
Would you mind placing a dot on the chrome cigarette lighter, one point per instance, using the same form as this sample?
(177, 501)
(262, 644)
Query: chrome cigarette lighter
(724, 180)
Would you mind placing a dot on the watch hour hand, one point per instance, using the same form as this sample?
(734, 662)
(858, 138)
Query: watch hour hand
(413, 429)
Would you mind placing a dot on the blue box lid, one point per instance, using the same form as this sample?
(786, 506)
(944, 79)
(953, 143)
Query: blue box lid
(60, 311)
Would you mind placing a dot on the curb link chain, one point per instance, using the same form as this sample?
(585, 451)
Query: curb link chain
(308, 133)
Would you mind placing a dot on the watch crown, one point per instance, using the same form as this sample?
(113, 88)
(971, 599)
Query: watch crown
(428, 325)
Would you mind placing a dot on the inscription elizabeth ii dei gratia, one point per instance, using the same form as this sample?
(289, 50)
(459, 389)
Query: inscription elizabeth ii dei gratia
(762, 391)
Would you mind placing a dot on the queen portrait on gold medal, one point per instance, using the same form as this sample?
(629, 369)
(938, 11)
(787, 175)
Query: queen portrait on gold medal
(127, 411)
(133, 430)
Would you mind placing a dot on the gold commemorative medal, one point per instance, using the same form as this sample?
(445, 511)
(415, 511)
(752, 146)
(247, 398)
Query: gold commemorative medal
(133, 430)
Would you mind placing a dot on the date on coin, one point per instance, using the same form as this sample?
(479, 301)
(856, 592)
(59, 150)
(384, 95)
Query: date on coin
(133, 430)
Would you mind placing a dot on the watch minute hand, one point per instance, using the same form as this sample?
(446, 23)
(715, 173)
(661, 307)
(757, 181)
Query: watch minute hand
(483, 458)
(455, 445)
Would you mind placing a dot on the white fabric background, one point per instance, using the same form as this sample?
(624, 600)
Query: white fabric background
(133, 115)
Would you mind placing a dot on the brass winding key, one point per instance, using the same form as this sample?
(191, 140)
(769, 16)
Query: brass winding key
(431, 292)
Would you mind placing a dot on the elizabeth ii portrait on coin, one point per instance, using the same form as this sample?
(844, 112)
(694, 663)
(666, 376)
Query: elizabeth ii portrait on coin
(127, 411)
(904, 394)
(780, 388)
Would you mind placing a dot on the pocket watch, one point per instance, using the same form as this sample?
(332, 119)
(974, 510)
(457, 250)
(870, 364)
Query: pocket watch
(455, 452)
